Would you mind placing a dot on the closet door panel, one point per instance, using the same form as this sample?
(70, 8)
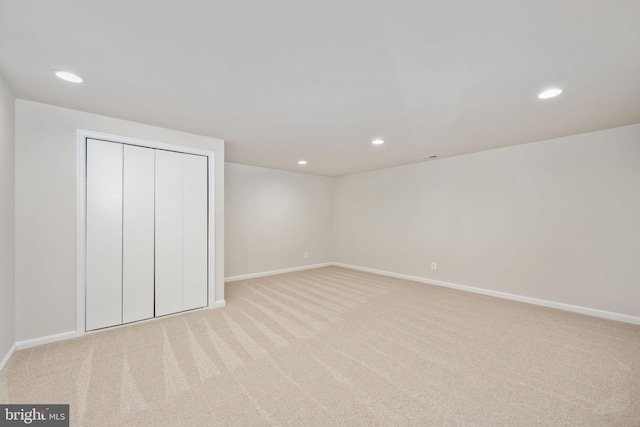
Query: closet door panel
(194, 205)
(138, 234)
(168, 266)
(104, 234)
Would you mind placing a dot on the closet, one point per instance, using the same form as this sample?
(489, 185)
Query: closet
(146, 233)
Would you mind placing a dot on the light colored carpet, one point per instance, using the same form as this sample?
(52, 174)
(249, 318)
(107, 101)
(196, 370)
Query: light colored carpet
(338, 347)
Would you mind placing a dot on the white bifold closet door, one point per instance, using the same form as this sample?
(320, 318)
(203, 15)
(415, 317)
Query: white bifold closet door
(181, 232)
(104, 234)
(168, 232)
(194, 231)
(147, 233)
(138, 216)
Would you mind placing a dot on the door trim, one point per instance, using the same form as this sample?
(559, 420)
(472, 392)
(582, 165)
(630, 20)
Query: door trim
(81, 206)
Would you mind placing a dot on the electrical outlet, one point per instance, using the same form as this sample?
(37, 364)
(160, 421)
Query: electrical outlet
(306, 254)
(434, 266)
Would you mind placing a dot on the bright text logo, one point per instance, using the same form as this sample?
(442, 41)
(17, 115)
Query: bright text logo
(37, 415)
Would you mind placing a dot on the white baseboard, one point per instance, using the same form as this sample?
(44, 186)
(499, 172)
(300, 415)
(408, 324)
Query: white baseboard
(545, 303)
(7, 356)
(219, 303)
(21, 345)
(273, 272)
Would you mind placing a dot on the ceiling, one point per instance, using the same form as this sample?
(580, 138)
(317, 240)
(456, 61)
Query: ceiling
(285, 80)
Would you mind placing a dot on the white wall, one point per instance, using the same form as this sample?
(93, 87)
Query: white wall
(557, 220)
(273, 217)
(46, 209)
(7, 220)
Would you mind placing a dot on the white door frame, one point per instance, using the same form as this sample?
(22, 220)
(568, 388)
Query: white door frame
(81, 174)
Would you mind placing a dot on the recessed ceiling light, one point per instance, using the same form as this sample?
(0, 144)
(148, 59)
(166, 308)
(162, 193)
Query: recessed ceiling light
(549, 93)
(70, 77)
(377, 141)
(302, 162)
